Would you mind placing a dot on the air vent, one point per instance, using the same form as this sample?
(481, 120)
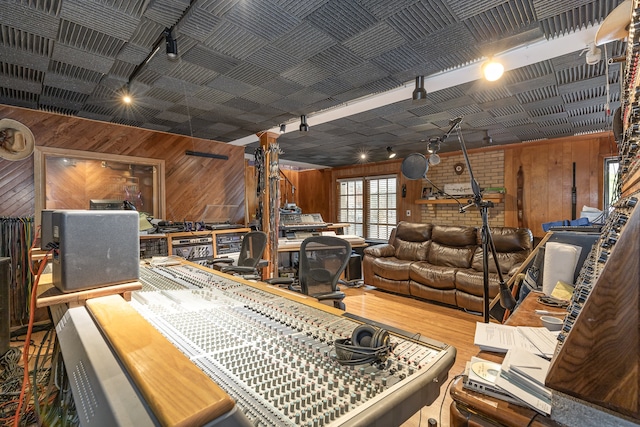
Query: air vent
(24, 41)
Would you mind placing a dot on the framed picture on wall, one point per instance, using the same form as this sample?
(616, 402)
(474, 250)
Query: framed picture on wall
(426, 193)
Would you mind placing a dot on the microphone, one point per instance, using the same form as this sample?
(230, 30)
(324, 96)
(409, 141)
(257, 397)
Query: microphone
(506, 299)
(455, 121)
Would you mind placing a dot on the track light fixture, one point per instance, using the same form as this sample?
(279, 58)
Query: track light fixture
(390, 153)
(492, 70)
(171, 44)
(283, 128)
(419, 93)
(304, 127)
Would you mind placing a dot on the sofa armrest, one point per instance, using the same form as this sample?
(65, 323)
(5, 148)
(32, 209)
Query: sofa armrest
(382, 250)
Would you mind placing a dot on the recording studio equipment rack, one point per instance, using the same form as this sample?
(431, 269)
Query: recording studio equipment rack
(272, 351)
(597, 359)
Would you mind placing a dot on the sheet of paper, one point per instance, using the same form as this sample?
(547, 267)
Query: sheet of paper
(501, 338)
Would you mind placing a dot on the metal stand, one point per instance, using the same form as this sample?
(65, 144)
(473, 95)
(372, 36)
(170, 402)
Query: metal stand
(506, 299)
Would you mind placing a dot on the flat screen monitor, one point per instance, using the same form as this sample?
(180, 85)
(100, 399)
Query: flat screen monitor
(105, 204)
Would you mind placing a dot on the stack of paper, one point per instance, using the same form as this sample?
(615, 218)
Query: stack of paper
(522, 375)
(501, 338)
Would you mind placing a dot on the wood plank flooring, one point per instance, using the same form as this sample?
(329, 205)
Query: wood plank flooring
(445, 324)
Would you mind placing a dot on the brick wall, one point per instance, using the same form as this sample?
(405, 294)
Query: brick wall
(488, 170)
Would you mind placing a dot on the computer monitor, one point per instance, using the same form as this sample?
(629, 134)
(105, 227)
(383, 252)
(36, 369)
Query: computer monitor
(106, 204)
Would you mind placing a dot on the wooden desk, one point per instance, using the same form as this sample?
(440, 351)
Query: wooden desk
(470, 408)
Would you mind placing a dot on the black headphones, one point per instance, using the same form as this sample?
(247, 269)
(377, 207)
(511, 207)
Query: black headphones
(367, 344)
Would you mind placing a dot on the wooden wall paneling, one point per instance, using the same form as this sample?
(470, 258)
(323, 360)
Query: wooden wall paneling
(16, 188)
(510, 184)
(314, 193)
(192, 183)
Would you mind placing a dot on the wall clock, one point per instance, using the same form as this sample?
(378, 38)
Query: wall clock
(458, 168)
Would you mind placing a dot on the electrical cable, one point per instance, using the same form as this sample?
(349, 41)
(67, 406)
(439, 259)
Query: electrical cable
(27, 342)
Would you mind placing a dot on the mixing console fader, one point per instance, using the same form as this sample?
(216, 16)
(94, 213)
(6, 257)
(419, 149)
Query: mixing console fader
(275, 356)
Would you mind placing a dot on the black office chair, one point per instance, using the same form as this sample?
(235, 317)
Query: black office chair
(322, 261)
(249, 260)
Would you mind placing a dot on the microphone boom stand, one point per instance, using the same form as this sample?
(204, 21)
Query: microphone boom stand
(506, 299)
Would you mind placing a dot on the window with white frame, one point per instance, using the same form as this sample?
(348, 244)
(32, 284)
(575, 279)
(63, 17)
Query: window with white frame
(369, 206)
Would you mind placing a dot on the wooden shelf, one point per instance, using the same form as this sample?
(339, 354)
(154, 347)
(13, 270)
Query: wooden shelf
(493, 198)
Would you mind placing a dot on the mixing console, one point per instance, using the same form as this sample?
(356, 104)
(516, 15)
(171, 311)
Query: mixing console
(276, 358)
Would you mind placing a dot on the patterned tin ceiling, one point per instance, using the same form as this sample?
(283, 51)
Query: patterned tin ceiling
(245, 66)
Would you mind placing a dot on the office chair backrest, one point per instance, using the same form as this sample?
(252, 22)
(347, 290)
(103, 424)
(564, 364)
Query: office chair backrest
(253, 246)
(322, 261)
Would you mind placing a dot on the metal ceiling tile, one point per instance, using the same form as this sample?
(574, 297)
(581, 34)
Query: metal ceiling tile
(230, 39)
(374, 41)
(340, 19)
(422, 19)
(119, 18)
(263, 18)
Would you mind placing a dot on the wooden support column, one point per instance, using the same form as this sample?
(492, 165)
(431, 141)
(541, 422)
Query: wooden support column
(271, 200)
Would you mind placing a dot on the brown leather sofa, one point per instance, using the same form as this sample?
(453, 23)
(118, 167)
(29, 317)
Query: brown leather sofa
(444, 263)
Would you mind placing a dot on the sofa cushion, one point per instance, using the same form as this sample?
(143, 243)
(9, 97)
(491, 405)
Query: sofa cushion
(413, 232)
(471, 282)
(449, 256)
(434, 276)
(446, 296)
(382, 250)
(454, 235)
(412, 251)
(507, 261)
(391, 268)
(510, 239)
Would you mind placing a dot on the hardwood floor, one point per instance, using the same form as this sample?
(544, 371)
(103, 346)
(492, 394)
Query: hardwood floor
(445, 324)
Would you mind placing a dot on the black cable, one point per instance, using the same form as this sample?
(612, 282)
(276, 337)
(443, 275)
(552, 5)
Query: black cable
(446, 194)
(531, 420)
(445, 396)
